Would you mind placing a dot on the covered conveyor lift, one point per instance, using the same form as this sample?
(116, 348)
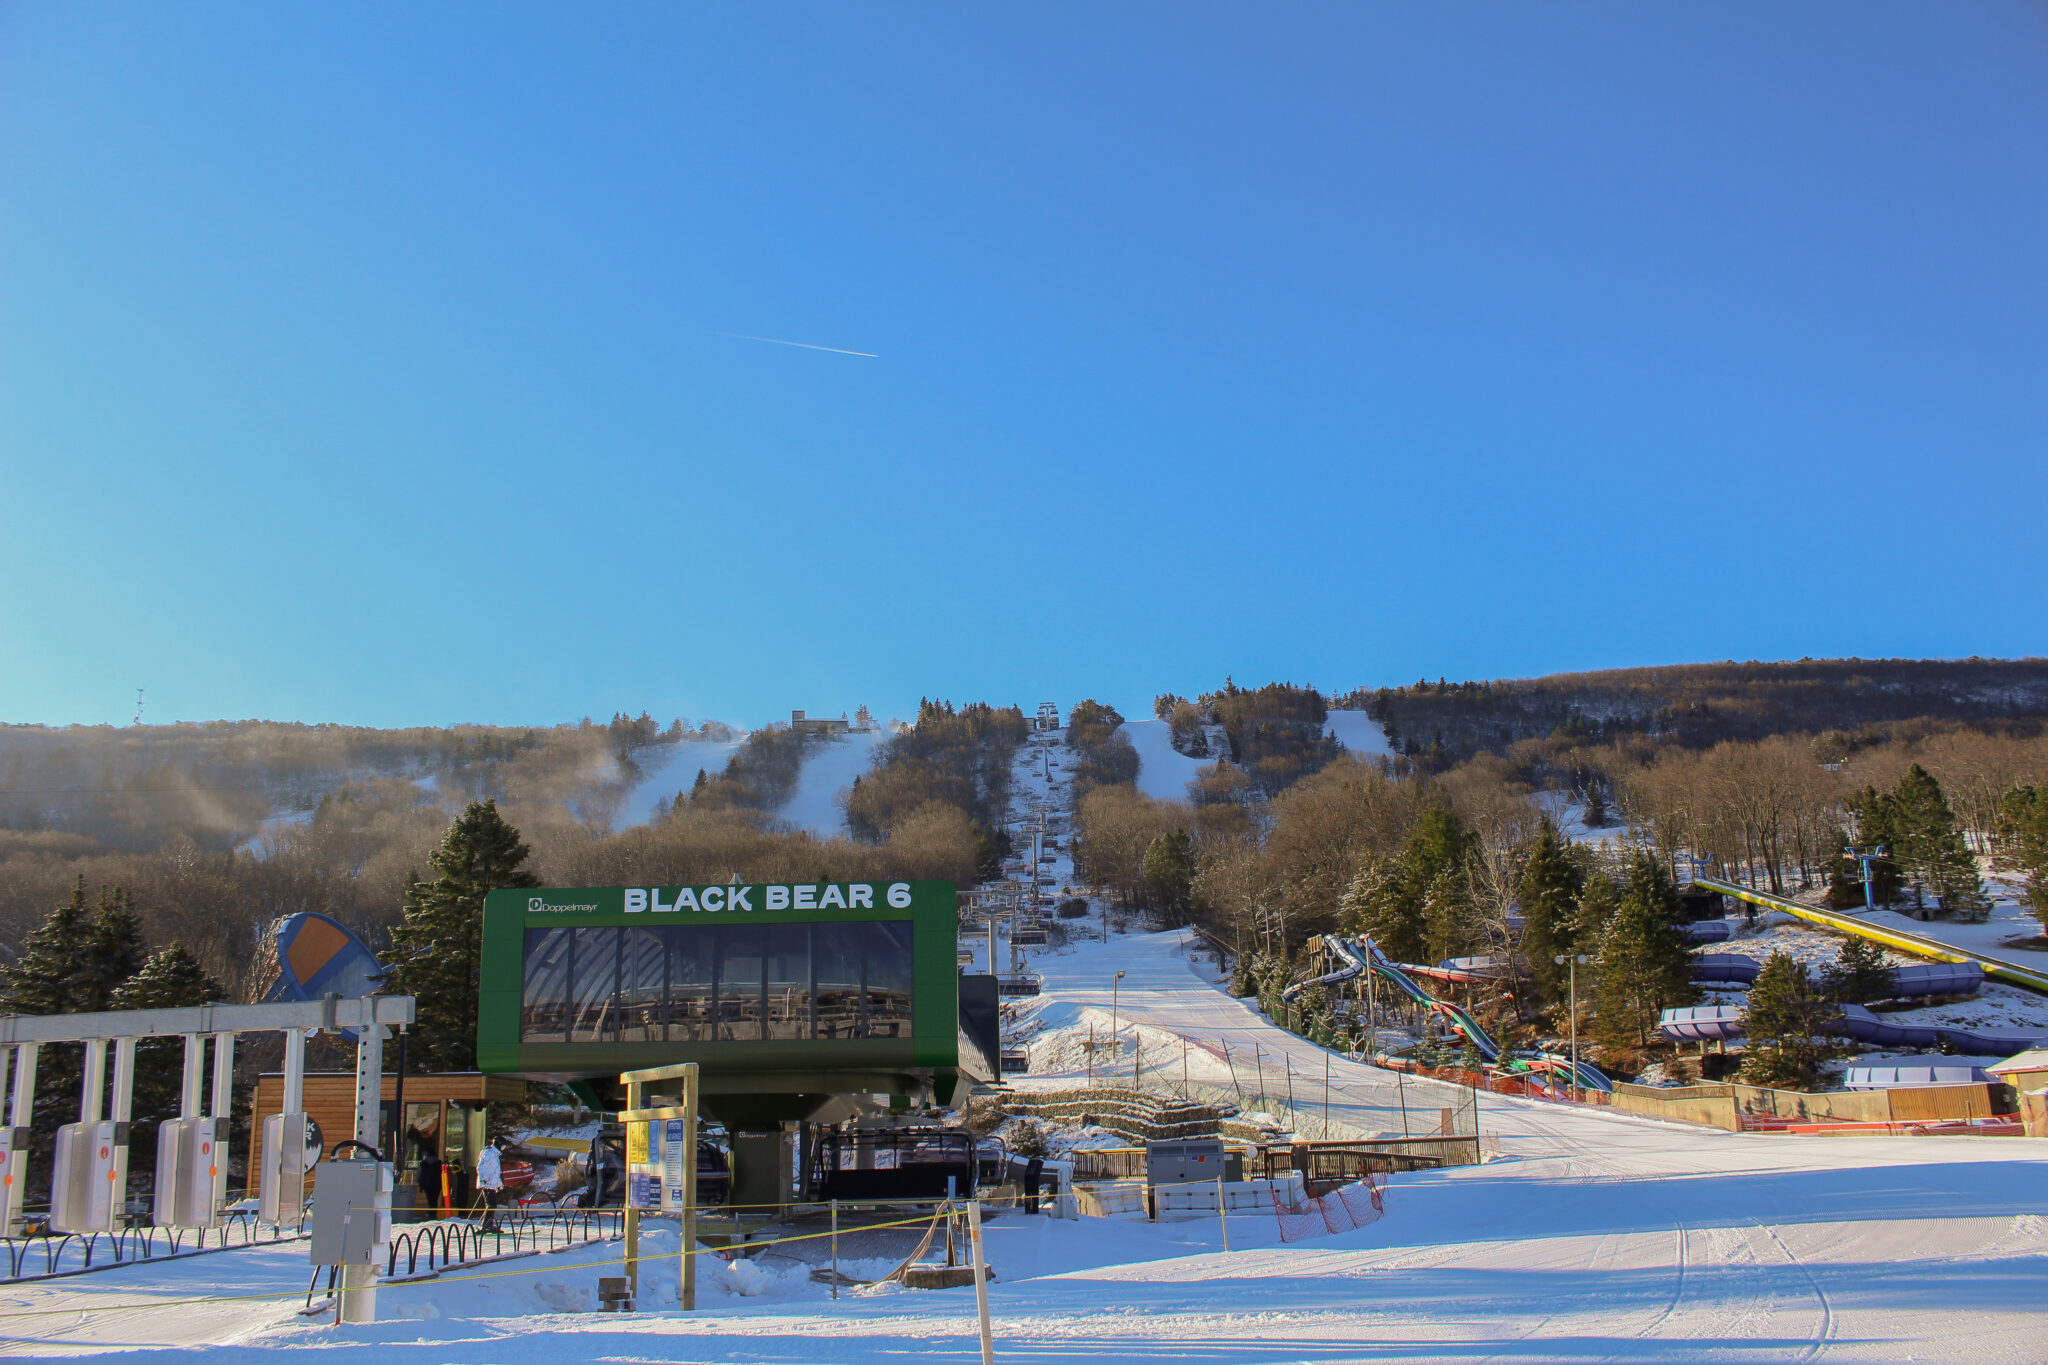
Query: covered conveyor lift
(1914, 945)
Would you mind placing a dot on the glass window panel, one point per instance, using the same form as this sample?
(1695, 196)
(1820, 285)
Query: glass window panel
(594, 986)
(740, 966)
(789, 982)
(544, 987)
(888, 979)
(692, 967)
(836, 954)
(643, 985)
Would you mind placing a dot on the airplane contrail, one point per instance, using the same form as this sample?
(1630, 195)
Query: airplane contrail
(808, 346)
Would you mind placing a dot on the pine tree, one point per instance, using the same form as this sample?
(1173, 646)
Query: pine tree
(113, 950)
(73, 963)
(1377, 905)
(1548, 892)
(1446, 917)
(1783, 1027)
(1598, 901)
(1860, 973)
(438, 944)
(1931, 847)
(47, 977)
(1878, 826)
(2023, 843)
(1169, 872)
(1645, 962)
(171, 979)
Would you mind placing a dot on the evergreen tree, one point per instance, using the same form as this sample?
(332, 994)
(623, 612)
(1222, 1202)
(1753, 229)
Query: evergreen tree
(438, 944)
(1878, 826)
(1645, 962)
(113, 950)
(1446, 917)
(48, 976)
(1783, 1027)
(1931, 848)
(1377, 905)
(1548, 893)
(171, 979)
(1860, 973)
(1598, 901)
(2023, 843)
(1170, 874)
(1437, 844)
(1596, 805)
(73, 963)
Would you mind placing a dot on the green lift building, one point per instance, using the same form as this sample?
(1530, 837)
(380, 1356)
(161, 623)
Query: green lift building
(804, 1004)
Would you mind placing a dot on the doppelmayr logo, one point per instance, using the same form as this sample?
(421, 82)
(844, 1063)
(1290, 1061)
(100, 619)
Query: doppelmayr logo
(539, 905)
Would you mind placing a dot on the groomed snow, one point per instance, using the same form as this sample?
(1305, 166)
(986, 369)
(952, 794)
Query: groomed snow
(670, 768)
(1357, 732)
(828, 772)
(1163, 771)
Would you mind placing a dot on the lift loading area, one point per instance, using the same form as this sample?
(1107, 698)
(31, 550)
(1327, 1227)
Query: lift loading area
(809, 1009)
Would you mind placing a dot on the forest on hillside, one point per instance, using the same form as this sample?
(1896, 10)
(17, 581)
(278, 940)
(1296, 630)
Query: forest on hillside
(1699, 705)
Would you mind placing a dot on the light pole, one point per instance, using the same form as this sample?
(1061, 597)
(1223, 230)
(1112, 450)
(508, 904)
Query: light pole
(1112, 1012)
(1571, 965)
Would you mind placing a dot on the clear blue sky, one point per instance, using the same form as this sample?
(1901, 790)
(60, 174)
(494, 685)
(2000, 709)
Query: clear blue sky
(376, 363)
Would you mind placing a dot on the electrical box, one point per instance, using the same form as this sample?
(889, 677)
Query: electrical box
(351, 1212)
(281, 1189)
(13, 1176)
(89, 1180)
(1181, 1163)
(191, 1172)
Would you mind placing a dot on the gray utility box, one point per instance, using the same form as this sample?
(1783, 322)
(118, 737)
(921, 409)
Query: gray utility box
(351, 1212)
(1190, 1161)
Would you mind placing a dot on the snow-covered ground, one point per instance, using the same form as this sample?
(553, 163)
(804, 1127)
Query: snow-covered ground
(2012, 931)
(670, 768)
(1593, 1237)
(1357, 732)
(1163, 771)
(828, 772)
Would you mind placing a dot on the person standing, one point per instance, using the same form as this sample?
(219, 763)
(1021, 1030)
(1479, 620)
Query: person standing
(490, 1184)
(427, 1181)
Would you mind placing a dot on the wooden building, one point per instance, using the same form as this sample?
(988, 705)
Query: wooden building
(444, 1114)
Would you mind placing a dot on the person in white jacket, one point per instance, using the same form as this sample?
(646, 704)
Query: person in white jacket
(490, 1183)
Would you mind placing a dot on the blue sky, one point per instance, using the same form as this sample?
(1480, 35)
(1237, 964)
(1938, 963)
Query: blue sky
(385, 364)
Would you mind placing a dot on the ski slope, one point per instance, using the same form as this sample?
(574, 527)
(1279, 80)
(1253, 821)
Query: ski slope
(829, 769)
(668, 769)
(1357, 732)
(1163, 771)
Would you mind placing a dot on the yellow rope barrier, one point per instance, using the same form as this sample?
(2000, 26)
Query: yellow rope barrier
(443, 1279)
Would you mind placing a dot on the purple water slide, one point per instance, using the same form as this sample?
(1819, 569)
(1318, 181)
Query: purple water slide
(1865, 1027)
(1921, 979)
(1700, 1023)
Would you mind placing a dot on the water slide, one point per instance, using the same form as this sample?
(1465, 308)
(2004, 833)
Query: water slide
(2033, 978)
(1719, 1022)
(1926, 979)
(1352, 957)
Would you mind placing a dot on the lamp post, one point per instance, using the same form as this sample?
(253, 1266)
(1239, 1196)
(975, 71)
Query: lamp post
(1571, 964)
(1114, 983)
